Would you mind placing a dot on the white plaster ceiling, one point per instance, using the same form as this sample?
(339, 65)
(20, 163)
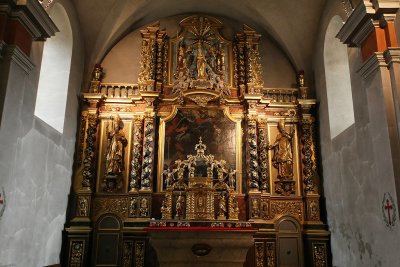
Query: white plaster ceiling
(292, 23)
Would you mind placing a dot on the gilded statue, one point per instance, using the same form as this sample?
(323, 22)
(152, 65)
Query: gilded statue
(180, 203)
(201, 68)
(115, 148)
(222, 205)
(283, 156)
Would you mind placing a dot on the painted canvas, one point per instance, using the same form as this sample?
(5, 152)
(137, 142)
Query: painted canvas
(182, 133)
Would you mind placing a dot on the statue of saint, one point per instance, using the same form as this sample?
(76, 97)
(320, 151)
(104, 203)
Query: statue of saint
(201, 68)
(283, 157)
(169, 177)
(115, 148)
(222, 205)
(180, 202)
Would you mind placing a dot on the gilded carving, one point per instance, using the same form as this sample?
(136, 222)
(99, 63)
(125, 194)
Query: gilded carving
(287, 207)
(263, 156)
(89, 161)
(139, 253)
(148, 152)
(127, 254)
(260, 255)
(271, 258)
(133, 207)
(82, 130)
(83, 206)
(252, 153)
(233, 207)
(76, 253)
(115, 205)
(264, 209)
(255, 208)
(144, 210)
(308, 160)
(166, 207)
(282, 160)
(136, 154)
(313, 210)
(319, 254)
(115, 153)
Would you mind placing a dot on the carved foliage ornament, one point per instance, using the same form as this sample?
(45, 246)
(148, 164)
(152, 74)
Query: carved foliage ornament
(260, 255)
(271, 258)
(116, 205)
(308, 152)
(263, 156)
(287, 207)
(127, 254)
(89, 161)
(76, 253)
(319, 254)
(148, 151)
(139, 253)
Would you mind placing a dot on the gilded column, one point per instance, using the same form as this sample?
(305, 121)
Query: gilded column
(137, 148)
(263, 156)
(161, 57)
(89, 162)
(252, 153)
(148, 152)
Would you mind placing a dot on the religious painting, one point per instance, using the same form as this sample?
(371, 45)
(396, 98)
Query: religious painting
(200, 56)
(184, 131)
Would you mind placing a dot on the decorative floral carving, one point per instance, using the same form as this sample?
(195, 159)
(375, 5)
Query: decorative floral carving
(287, 207)
(89, 169)
(115, 205)
(81, 138)
(83, 206)
(133, 207)
(127, 254)
(319, 254)
(139, 253)
(76, 253)
(202, 99)
(271, 258)
(313, 210)
(260, 255)
(308, 160)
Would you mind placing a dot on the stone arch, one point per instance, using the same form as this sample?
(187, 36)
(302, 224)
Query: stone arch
(338, 83)
(54, 76)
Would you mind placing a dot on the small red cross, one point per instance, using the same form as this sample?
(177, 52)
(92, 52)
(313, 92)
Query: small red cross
(388, 207)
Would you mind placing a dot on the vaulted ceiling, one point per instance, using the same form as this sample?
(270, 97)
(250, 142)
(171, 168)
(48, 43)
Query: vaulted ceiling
(293, 24)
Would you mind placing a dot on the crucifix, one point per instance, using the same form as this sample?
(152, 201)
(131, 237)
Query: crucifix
(388, 207)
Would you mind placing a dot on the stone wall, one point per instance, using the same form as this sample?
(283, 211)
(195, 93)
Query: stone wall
(356, 166)
(35, 161)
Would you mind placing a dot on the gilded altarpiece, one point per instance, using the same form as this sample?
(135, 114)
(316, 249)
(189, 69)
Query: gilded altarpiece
(197, 142)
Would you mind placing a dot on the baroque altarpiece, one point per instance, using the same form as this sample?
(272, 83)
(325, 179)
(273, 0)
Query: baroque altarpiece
(198, 142)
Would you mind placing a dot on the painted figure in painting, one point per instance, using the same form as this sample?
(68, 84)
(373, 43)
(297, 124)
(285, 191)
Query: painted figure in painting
(283, 156)
(115, 148)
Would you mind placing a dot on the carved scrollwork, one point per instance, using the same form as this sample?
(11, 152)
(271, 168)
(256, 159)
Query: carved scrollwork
(308, 152)
(287, 207)
(83, 206)
(89, 161)
(82, 130)
(115, 205)
(313, 211)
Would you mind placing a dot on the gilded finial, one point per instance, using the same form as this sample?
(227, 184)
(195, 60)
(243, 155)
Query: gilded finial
(300, 78)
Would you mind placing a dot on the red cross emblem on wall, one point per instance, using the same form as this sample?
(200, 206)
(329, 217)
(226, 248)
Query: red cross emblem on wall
(389, 210)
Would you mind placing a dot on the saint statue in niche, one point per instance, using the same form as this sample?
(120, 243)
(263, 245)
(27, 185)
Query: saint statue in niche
(115, 147)
(283, 156)
(200, 62)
